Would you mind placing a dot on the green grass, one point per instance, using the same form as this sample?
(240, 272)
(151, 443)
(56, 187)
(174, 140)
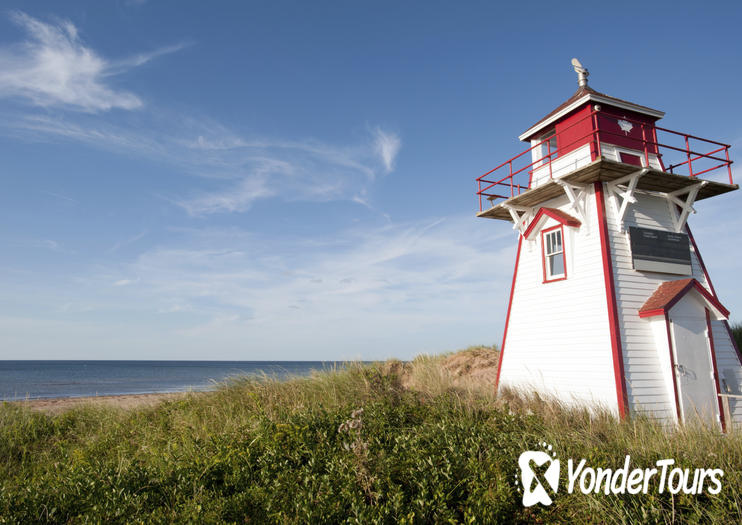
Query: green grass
(265, 451)
(737, 333)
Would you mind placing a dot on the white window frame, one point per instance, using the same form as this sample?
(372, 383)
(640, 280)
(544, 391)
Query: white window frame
(546, 255)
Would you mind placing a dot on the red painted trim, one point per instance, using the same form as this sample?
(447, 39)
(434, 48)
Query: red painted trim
(557, 215)
(507, 317)
(700, 259)
(710, 298)
(652, 313)
(716, 371)
(672, 369)
(543, 254)
(610, 296)
(713, 291)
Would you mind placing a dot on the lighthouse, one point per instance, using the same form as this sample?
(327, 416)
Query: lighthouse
(611, 304)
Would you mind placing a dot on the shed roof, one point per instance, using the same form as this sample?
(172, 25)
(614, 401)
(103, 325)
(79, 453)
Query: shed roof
(669, 293)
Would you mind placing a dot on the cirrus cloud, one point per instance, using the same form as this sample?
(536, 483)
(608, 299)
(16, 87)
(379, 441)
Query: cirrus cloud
(54, 67)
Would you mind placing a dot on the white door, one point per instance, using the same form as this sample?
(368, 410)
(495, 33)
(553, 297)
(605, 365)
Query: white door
(693, 368)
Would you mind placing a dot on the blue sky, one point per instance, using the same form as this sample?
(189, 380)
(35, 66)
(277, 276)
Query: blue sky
(295, 180)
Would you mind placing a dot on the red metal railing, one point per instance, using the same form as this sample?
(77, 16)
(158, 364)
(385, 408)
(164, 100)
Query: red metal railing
(675, 154)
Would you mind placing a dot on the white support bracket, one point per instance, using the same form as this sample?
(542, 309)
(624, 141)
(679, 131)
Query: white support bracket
(679, 218)
(521, 216)
(576, 193)
(626, 196)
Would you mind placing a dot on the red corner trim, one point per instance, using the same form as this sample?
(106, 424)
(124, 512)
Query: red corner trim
(507, 317)
(672, 369)
(713, 291)
(610, 295)
(716, 372)
(557, 215)
(700, 259)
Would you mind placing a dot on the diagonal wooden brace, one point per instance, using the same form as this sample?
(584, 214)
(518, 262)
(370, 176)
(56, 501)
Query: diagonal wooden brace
(576, 194)
(521, 216)
(680, 217)
(626, 196)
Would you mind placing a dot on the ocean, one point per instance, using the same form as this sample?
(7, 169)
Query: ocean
(50, 379)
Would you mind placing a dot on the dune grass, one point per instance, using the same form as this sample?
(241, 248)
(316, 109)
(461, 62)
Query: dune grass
(388, 443)
(737, 333)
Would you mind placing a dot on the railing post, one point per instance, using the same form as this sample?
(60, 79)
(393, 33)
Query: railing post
(729, 164)
(510, 167)
(690, 160)
(644, 143)
(596, 136)
(479, 192)
(548, 150)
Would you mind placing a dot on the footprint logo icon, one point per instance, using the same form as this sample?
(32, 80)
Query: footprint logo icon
(539, 475)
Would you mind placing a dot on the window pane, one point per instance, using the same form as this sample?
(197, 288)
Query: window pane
(556, 265)
(553, 243)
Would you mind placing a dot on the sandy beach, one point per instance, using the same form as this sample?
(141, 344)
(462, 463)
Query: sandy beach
(125, 401)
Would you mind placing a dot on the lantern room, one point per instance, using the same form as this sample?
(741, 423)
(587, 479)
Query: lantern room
(588, 125)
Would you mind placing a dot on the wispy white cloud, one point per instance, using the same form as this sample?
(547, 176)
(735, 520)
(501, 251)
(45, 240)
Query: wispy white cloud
(241, 170)
(44, 243)
(125, 282)
(387, 146)
(237, 198)
(131, 240)
(94, 133)
(54, 67)
(116, 67)
(290, 170)
(347, 291)
(60, 196)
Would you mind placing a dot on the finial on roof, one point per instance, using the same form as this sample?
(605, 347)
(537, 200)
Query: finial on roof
(582, 73)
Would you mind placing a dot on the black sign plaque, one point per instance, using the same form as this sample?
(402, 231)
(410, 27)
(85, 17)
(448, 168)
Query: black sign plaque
(660, 251)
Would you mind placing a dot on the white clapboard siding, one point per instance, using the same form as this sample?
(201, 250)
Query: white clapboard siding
(612, 152)
(558, 338)
(728, 365)
(645, 368)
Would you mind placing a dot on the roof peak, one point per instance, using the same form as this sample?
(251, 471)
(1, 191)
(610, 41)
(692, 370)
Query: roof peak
(588, 94)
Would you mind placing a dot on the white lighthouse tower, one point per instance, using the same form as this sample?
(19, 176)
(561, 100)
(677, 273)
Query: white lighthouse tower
(611, 303)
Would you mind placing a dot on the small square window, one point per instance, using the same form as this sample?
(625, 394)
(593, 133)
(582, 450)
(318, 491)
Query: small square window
(553, 246)
(548, 145)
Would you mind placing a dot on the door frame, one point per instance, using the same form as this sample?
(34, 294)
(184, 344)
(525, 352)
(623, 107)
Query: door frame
(712, 358)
